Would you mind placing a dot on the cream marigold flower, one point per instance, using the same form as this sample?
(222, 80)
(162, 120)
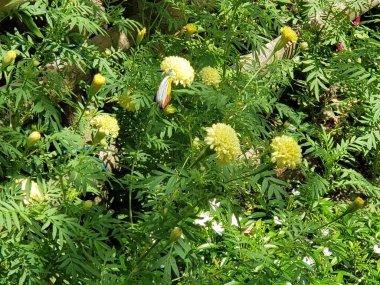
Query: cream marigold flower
(286, 152)
(182, 72)
(288, 35)
(223, 139)
(106, 124)
(210, 76)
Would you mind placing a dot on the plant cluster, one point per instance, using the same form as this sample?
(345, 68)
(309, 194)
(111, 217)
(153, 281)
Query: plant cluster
(138, 146)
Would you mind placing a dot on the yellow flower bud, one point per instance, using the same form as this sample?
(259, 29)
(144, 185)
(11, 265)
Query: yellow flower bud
(36, 63)
(97, 82)
(196, 143)
(98, 79)
(9, 58)
(140, 35)
(33, 138)
(190, 29)
(87, 205)
(175, 234)
(170, 109)
(304, 45)
(355, 205)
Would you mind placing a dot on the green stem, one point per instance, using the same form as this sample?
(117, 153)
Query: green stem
(130, 193)
(202, 155)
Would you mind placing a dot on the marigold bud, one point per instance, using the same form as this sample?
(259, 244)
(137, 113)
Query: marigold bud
(97, 82)
(190, 29)
(9, 58)
(175, 234)
(36, 63)
(87, 205)
(170, 109)
(355, 205)
(33, 138)
(140, 35)
(304, 45)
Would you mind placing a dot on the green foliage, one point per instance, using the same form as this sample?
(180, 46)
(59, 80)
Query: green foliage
(84, 206)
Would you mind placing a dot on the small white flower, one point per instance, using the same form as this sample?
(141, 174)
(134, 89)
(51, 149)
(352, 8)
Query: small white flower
(296, 192)
(376, 249)
(214, 205)
(325, 232)
(288, 283)
(203, 219)
(326, 251)
(217, 227)
(234, 221)
(308, 260)
(277, 220)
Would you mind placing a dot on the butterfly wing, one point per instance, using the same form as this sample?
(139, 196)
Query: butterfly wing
(164, 91)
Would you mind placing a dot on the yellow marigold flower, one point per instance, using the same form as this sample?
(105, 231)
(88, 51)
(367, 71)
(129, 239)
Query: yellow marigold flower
(97, 82)
(286, 152)
(127, 102)
(210, 76)
(190, 29)
(106, 124)
(223, 139)
(9, 57)
(182, 72)
(33, 138)
(34, 194)
(288, 35)
(140, 35)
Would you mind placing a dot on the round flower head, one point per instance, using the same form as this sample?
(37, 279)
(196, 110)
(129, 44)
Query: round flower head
(223, 139)
(286, 152)
(288, 35)
(182, 72)
(106, 124)
(210, 76)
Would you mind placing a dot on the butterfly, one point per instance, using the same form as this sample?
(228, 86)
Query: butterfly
(164, 90)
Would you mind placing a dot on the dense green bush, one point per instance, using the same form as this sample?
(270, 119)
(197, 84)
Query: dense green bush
(248, 176)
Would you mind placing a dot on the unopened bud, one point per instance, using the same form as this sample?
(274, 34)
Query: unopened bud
(33, 138)
(304, 45)
(140, 35)
(9, 58)
(97, 82)
(36, 63)
(355, 205)
(87, 205)
(170, 109)
(175, 234)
